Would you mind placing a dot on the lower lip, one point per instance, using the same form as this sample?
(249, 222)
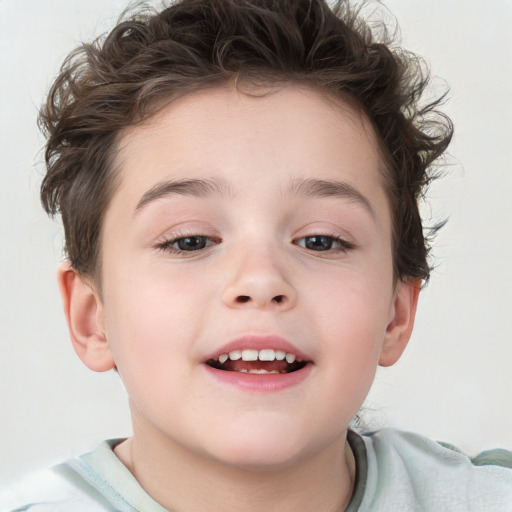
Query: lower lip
(263, 383)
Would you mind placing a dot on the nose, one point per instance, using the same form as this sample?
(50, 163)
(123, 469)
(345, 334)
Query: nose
(257, 281)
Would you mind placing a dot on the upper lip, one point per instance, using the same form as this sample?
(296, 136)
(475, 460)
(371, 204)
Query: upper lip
(259, 342)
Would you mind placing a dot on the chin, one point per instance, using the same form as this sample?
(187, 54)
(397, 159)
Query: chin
(260, 447)
(260, 460)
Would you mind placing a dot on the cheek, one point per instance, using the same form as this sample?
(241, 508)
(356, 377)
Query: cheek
(352, 316)
(152, 323)
(354, 299)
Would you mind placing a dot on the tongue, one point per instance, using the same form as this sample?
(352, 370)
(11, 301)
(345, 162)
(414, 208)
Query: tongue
(270, 366)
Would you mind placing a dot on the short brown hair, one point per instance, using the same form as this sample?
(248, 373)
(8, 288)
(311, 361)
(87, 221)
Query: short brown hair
(117, 80)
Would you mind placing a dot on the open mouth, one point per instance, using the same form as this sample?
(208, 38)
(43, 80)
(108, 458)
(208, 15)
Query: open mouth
(262, 362)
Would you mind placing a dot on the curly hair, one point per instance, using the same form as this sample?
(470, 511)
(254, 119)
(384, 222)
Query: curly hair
(154, 57)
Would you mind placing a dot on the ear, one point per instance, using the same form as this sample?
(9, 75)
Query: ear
(84, 315)
(400, 326)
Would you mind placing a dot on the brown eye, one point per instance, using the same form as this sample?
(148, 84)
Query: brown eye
(191, 243)
(324, 243)
(318, 243)
(185, 245)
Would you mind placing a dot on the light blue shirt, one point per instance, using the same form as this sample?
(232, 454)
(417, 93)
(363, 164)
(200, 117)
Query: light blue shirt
(396, 471)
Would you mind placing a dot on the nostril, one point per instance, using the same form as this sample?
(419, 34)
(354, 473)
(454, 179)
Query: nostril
(244, 299)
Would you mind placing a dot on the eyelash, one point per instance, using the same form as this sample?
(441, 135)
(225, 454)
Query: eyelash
(167, 245)
(343, 245)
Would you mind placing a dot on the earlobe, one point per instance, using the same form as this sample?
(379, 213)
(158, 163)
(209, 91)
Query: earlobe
(400, 327)
(84, 315)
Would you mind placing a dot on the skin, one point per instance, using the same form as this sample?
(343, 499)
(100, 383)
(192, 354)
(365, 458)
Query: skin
(197, 441)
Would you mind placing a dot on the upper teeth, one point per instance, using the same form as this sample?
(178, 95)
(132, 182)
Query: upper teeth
(267, 354)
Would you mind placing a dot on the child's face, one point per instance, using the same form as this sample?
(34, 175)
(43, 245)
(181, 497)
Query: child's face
(250, 223)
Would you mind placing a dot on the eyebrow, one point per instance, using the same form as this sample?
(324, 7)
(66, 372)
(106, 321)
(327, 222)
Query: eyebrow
(301, 187)
(188, 187)
(313, 188)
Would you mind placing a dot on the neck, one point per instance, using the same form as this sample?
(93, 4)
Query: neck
(184, 481)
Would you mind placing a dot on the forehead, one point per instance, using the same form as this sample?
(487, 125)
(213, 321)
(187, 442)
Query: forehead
(250, 140)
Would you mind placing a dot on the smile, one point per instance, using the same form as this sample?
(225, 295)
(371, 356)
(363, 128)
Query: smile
(259, 362)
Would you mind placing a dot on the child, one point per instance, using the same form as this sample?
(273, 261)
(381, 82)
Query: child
(238, 182)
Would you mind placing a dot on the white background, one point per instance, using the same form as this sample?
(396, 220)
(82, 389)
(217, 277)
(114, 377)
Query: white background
(455, 380)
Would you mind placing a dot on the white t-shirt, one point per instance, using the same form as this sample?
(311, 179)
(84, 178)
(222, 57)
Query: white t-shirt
(396, 471)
